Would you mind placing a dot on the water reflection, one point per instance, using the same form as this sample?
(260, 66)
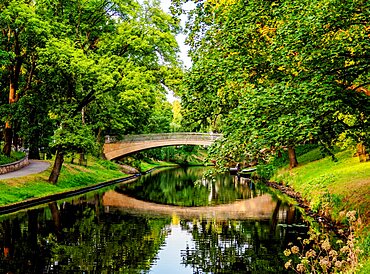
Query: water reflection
(188, 187)
(85, 235)
(79, 236)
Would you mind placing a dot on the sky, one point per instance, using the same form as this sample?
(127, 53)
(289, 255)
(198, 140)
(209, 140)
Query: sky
(165, 4)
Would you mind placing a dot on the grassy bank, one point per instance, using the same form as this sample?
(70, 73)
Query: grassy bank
(14, 156)
(72, 177)
(333, 187)
(149, 164)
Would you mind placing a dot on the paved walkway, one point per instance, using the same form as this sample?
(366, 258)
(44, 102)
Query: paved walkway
(33, 168)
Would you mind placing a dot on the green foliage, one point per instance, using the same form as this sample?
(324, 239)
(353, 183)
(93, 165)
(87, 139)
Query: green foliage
(80, 73)
(15, 156)
(265, 172)
(270, 78)
(72, 136)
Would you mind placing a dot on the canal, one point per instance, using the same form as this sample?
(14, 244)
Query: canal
(170, 221)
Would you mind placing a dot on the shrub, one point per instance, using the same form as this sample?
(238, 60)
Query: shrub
(317, 254)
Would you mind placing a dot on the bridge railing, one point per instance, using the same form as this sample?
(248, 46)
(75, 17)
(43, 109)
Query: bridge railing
(163, 136)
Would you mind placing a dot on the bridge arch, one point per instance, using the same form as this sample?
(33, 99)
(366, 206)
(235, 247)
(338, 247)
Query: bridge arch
(115, 148)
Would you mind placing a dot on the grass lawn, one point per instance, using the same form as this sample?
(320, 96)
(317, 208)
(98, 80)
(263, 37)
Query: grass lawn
(332, 187)
(144, 166)
(14, 156)
(329, 185)
(72, 177)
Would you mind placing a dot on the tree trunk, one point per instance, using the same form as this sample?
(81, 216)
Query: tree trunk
(81, 160)
(292, 158)
(98, 136)
(59, 159)
(14, 70)
(15, 139)
(8, 136)
(361, 152)
(34, 152)
(55, 213)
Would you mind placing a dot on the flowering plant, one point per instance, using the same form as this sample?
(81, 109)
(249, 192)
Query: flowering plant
(318, 255)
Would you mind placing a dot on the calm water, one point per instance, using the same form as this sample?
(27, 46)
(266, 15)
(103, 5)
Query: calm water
(220, 225)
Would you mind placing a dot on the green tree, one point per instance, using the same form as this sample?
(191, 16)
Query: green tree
(78, 70)
(281, 72)
(22, 31)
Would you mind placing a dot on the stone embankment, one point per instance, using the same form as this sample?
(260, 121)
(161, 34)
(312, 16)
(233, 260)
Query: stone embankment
(14, 166)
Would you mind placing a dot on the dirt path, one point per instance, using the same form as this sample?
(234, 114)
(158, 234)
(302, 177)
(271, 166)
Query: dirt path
(33, 168)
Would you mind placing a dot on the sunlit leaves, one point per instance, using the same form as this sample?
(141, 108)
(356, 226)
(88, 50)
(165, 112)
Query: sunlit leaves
(281, 73)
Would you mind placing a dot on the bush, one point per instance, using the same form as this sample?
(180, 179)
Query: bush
(318, 254)
(265, 172)
(108, 164)
(15, 156)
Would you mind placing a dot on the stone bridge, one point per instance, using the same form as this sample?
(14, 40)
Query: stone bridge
(117, 147)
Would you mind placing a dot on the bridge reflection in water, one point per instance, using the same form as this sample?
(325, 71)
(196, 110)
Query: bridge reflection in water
(116, 147)
(258, 208)
(112, 233)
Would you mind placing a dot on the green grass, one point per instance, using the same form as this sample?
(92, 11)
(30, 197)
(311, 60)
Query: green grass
(147, 165)
(14, 156)
(334, 186)
(340, 185)
(72, 177)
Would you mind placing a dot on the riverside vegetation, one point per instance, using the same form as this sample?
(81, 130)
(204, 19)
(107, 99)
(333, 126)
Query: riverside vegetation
(316, 254)
(338, 190)
(270, 75)
(75, 176)
(72, 177)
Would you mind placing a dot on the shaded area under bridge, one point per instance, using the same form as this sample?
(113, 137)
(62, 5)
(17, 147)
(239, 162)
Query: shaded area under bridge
(115, 147)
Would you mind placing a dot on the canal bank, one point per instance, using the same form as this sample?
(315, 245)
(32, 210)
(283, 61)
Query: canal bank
(102, 232)
(328, 189)
(73, 179)
(318, 191)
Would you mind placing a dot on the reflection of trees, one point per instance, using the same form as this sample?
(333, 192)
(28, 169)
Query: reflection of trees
(22, 249)
(184, 188)
(232, 247)
(71, 238)
(121, 243)
(80, 236)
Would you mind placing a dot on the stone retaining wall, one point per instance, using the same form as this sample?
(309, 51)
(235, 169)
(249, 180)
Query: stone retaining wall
(14, 166)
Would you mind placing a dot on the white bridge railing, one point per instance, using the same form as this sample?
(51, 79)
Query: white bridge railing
(163, 136)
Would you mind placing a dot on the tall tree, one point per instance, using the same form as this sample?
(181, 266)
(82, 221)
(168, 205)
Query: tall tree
(122, 60)
(268, 58)
(22, 31)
